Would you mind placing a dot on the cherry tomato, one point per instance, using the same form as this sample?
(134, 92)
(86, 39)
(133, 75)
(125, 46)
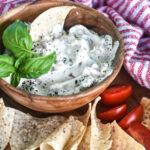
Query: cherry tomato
(140, 133)
(115, 113)
(134, 116)
(116, 95)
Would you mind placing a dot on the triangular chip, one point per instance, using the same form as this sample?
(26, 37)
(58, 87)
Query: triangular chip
(6, 124)
(75, 140)
(45, 146)
(122, 141)
(29, 132)
(59, 138)
(85, 118)
(85, 143)
(22, 131)
(146, 117)
(100, 133)
(46, 21)
(69, 134)
(97, 135)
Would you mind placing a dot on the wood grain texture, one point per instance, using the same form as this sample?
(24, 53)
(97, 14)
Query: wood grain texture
(122, 78)
(96, 21)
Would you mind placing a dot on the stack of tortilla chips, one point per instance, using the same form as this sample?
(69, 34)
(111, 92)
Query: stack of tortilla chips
(57, 132)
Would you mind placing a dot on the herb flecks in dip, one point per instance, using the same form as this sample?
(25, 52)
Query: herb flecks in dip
(84, 59)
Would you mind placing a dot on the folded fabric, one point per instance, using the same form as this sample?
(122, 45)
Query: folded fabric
(132, 18)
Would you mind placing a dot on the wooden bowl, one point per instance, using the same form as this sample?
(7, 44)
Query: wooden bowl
(86, 16)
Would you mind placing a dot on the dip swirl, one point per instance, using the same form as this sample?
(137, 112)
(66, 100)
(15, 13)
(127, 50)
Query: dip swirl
(84, 59)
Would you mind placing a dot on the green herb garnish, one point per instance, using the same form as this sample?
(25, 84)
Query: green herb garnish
(15, 79)
(35, 67)
(6, 65)
(24, 63)
(17, 40)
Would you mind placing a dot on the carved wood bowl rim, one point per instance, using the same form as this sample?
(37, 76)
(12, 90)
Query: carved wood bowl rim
(61, 103)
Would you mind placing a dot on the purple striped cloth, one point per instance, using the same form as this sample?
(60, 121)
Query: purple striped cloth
(132, 18)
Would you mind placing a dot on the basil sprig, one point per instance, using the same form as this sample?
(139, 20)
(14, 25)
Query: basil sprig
(6, 65)
(35, 67)
(18, 42)
(15, 79)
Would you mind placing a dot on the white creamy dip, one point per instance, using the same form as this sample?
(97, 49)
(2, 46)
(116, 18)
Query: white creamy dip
(84, 59)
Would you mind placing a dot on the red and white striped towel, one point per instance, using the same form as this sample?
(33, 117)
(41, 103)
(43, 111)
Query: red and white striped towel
(132, 18)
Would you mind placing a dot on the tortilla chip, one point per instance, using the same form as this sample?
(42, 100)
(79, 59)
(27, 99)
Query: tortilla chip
(22, 131)
(122, 141)
(97, 135)
(100, 133)
(75, 140)
(6, 123)
(85, 143)
(29, 132)
(146, 117)
(46, 21)
(59, 138)
(69, 134)
(85, 118)
(45, 146)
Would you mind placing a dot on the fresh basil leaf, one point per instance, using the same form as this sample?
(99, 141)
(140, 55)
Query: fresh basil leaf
(35, 67)
(6, 69)
(19, 61)
(17, 40)
(7, 59)
(15, 79)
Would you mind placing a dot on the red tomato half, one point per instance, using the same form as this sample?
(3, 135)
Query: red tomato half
(116, 95)
(115, 113)
(140, 133)
(134, 116)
